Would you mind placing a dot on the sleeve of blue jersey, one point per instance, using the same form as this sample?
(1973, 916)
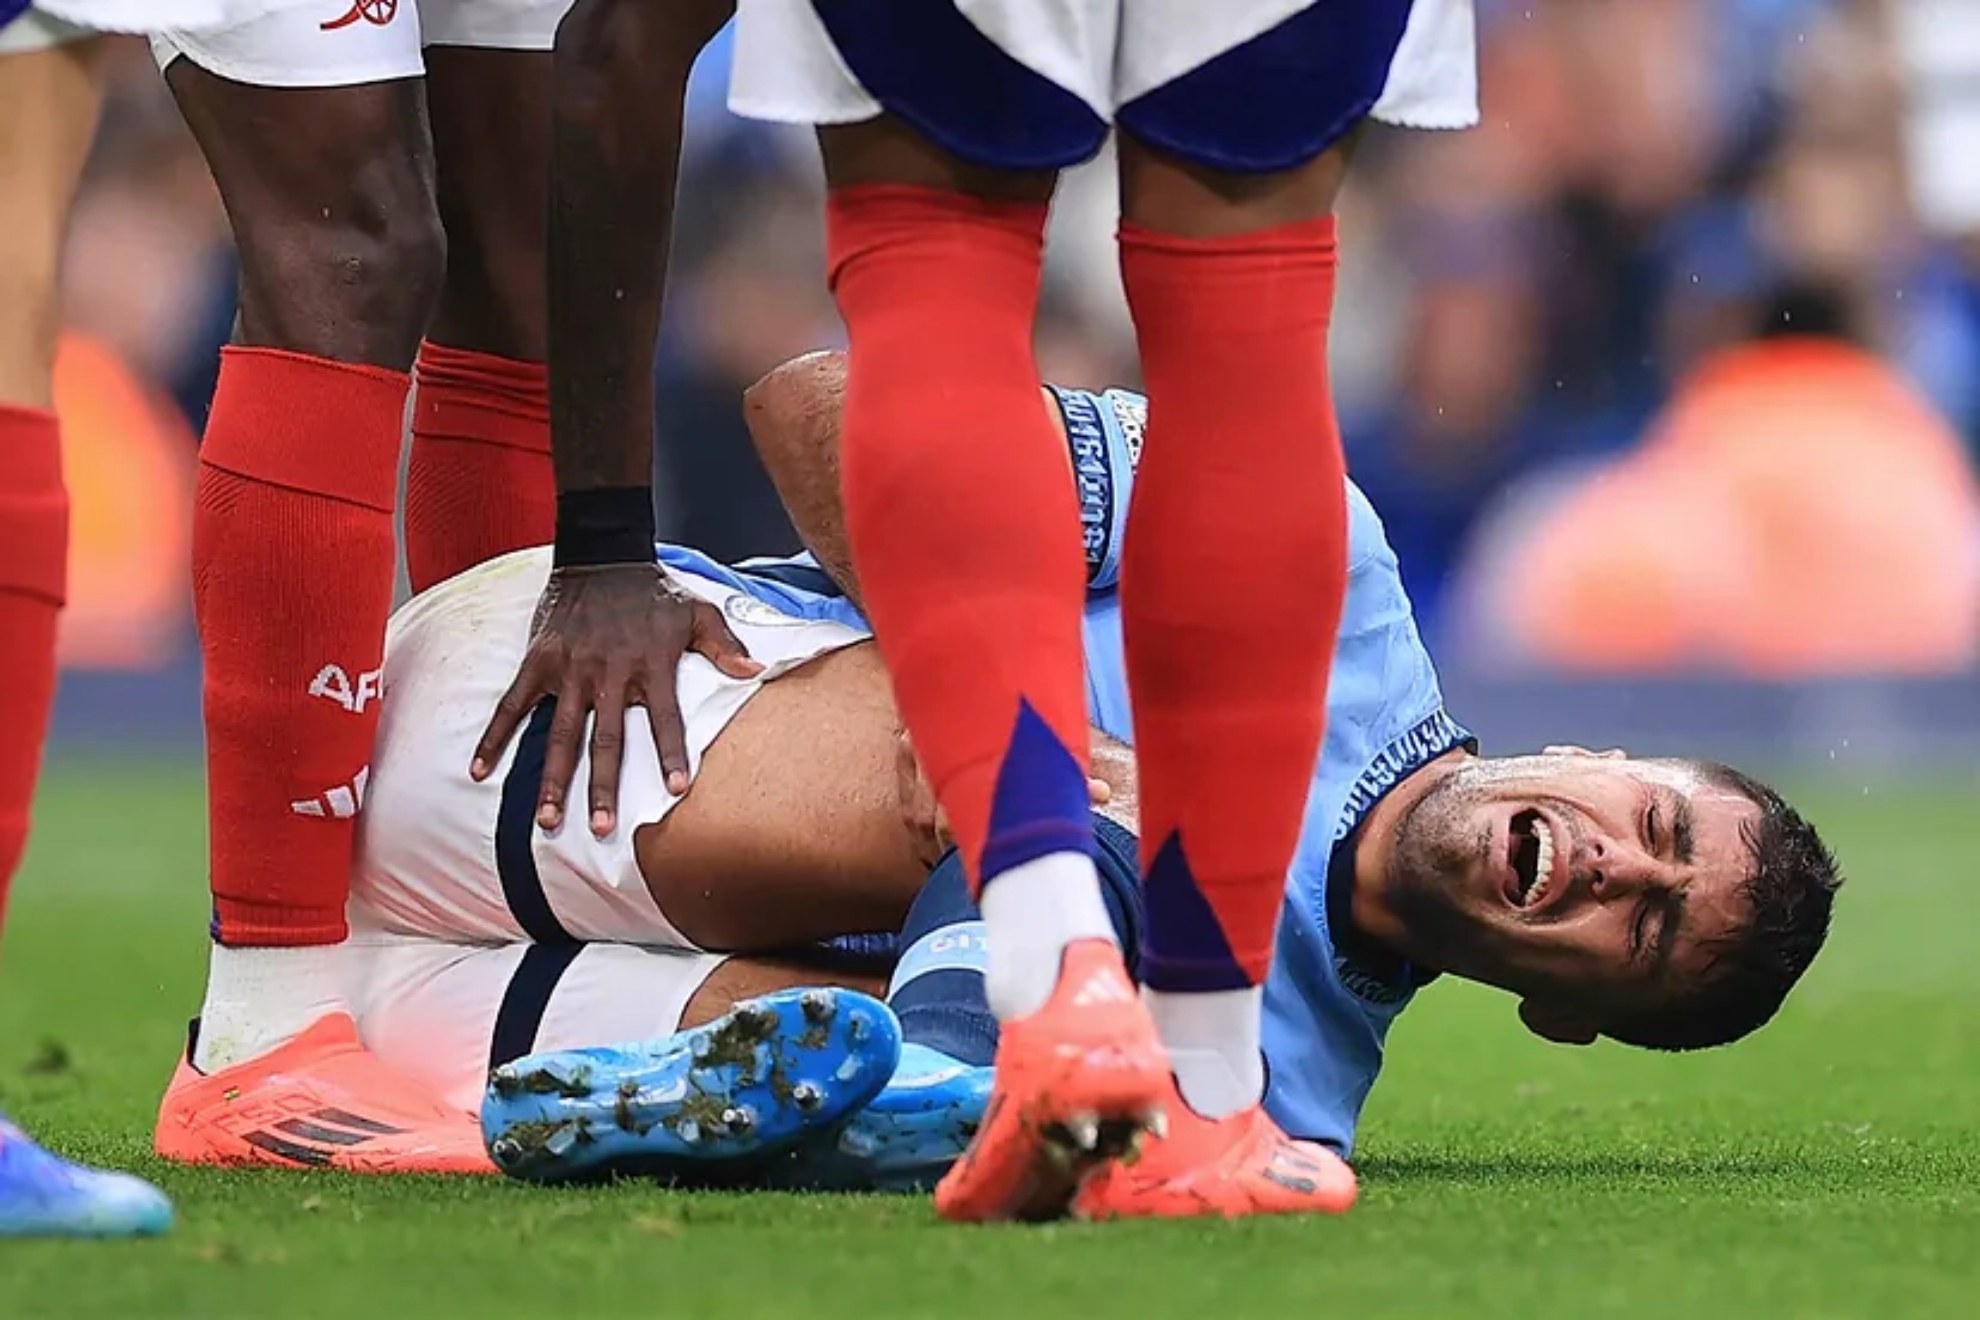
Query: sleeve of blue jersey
(796, 586)
(1103, 434)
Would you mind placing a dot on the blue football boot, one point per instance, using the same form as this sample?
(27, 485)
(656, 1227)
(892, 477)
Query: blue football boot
(44, 1195)
(709, 1106)
(906, 1139)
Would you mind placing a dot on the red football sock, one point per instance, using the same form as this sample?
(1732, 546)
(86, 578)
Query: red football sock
(34, 528)
(479, 482)
(1232, 580)
(292, 584)
(961, 513)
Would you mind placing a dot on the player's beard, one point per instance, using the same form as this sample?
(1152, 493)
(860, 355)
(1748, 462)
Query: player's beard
(1431, 886)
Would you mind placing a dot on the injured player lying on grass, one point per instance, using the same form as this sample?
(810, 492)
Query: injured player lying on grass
(1667, 904)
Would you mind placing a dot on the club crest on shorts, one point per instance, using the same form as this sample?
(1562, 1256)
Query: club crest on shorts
(750, 611)
(378, 13)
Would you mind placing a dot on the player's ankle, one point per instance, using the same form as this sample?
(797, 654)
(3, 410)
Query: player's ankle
(1032, 913)
(1214, 1047)
(258, 1000)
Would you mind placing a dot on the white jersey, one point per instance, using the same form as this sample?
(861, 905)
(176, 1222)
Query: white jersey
(442, 857)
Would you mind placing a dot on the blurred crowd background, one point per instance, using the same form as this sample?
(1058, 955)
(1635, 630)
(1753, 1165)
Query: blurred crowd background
(1671, 366)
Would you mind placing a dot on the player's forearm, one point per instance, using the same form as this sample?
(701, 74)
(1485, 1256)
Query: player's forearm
(793, 415)
(621, 80)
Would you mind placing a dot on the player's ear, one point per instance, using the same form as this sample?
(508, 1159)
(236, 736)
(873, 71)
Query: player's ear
(1563, 1026)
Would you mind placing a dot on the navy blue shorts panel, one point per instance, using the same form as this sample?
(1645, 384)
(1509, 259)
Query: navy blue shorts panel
(930, 67)
(1280, 99)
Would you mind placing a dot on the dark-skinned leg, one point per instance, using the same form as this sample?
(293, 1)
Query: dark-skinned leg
(330, 195)
(479, 482)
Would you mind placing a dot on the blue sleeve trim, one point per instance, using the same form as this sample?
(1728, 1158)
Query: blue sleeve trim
(801, 577)
(1103, 471)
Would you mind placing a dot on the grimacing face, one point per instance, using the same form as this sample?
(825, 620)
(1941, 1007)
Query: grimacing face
(1590, 885)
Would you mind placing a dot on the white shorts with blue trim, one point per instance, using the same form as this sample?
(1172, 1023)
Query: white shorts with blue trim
(441, 857)
(346, 43)
(1251, 85)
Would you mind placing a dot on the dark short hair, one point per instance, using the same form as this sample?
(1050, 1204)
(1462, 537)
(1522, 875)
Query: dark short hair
(1790, 892)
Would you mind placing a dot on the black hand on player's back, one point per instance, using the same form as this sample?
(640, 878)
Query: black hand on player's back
(604, 639)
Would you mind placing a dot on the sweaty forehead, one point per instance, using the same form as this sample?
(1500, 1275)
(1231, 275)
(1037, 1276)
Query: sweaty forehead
(1681, 777)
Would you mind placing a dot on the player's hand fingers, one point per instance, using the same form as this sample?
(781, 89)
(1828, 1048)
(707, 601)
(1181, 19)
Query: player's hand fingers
(669, 738)
(608, 742)
(714, 639)
(510, 712)
(1100, 791)
(560, 754)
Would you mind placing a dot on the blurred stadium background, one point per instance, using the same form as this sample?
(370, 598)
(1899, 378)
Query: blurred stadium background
(1667, 382)
(1666, 379)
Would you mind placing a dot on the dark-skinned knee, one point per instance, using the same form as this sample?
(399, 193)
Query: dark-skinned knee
(330, 193)
(355, 282)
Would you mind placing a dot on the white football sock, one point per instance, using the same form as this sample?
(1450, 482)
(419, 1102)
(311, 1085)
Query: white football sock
(1032, 913)
(1213, 1046)
(258, 999)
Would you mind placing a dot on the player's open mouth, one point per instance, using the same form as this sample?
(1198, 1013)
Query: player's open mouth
(1530, 855)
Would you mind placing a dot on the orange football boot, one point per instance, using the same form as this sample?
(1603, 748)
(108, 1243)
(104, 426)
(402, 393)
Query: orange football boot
(322, 1101)
(1233, 1167)
(1077, 1083)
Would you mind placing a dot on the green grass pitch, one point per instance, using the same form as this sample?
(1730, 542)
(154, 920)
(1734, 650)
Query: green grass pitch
(1829, 1167)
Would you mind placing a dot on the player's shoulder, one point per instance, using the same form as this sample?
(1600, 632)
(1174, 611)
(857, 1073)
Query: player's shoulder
(1368, 539)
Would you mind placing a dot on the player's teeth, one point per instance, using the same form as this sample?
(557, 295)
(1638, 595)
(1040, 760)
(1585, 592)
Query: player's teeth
(1543, 864)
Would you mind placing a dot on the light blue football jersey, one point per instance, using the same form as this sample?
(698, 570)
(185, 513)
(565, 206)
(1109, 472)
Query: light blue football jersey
(1325, 1015)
